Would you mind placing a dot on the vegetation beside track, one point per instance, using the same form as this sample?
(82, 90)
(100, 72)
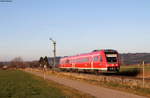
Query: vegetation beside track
(113, 85)
(135, 70)
(126, 67)
(18, 84)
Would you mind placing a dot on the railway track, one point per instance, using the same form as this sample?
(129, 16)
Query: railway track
(130, 77)
(109, 74)
(114, 78)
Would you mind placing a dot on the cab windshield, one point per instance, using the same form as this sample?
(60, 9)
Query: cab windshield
(111, 57)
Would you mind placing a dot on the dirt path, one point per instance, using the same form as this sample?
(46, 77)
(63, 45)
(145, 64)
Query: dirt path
(93, 90)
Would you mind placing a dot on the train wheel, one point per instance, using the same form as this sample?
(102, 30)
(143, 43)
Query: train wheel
(117, 70)
(96, 72)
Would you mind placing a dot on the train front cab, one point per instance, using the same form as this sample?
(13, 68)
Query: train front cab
(112, 60)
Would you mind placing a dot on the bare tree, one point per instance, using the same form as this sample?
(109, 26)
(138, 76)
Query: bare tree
(17, 62)
(41, 61)
(46, 61)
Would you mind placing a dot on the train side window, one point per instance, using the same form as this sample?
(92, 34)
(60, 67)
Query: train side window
(75, 61)
(101, 59)
(61, 62)
(96, 58)
(86, 60)
(81, 60)
(72, 61)
(67, 61)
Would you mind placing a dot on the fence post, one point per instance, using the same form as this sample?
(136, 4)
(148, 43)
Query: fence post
(44, 71)
(143, 74)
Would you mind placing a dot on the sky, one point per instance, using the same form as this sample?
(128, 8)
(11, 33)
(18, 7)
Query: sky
(78, 26)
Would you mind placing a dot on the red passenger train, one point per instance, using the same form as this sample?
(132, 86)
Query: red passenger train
(97, 60)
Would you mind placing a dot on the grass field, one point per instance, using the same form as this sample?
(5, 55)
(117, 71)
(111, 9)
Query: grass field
(135, 70)
(18, 84)
(125, 67)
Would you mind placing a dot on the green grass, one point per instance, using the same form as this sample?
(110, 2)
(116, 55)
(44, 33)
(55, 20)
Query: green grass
(146, 67)
(18, 84)
(134, 70)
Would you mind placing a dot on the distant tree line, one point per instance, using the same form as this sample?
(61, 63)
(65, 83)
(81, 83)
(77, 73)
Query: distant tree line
(18, 62)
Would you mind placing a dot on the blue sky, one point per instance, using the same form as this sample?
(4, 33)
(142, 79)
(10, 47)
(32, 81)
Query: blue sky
(78, 26)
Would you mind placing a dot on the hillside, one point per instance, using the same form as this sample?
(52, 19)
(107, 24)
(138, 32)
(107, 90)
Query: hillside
(135, 58)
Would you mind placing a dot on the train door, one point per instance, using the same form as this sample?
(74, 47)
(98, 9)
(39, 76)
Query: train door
(67, 63)
(101, 61)
(87, 62)
(91, 62)
(96, 62)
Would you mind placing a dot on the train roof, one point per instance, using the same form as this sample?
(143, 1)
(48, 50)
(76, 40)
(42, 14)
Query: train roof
(106, 50)
(94, 51)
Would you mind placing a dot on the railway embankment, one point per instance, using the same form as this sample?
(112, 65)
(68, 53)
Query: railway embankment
(122, 80)
(129, 84)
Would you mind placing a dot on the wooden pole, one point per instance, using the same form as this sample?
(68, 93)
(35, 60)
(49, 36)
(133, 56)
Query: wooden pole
(44, 72)
(54, 53)
(143, 74)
